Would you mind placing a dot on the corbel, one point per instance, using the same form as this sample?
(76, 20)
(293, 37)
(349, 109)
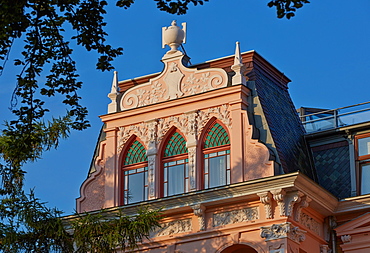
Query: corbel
(291, 199)
(199, 211)
(266, 200)
(305, 201)
(279, 196)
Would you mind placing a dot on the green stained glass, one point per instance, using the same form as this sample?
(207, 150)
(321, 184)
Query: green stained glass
(135, 154)
(216, 136)
(176, 145)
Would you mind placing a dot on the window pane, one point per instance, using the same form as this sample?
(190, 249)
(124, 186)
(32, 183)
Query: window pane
(364, 146)
(365, 179)
(176, 179)
(136, 188)
(217, 171)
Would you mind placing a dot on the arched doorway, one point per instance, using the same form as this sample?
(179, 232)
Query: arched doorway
(239, 248)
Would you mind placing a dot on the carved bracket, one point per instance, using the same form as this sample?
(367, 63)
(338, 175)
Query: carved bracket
(290, 203)
(279, 195)
(266, 200)
(199, 210)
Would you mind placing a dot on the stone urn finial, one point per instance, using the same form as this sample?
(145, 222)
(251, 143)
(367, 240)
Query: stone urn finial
(173, 36)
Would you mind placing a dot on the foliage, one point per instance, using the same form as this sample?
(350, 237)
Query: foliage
(40, 229)
(48, 70)
(119, 231)
(287, 8)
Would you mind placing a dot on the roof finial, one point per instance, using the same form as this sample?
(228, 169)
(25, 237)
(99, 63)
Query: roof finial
(173, 36)
(238, 67)
(238, 57)
(112, 107)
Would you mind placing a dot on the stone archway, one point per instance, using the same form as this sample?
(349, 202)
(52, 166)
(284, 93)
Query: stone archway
(239, 248)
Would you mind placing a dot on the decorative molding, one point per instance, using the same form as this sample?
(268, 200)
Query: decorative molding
(172, 80)
(191, 166)
(235, 216)
(297, 235)
(124, 133)
(280, 248)
(292, 198)
(173, 228)
(281, 231)
(346, 238)
(151, 175)
(279, 198)
(176, 81)
(310, 223)
(324, 248)
(199, 210)
(222, 113)
(305, 201)
(266, 200)
(164, 125)
(152, 131)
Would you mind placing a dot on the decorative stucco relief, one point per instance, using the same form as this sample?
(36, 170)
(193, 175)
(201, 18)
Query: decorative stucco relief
(151, 170)
(235, 216)
(174, 82)
(283, 230)
(346, 238)
(222, 113)
(192, 161)
(310, 223)
(173, 228)
(124, 133)
(190, 124)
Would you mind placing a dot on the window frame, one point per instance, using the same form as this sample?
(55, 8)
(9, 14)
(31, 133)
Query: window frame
(205, 151)
(169, 159)
(123, 168)
(360, 161)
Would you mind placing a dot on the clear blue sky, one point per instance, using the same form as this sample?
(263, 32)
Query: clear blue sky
(324, 50)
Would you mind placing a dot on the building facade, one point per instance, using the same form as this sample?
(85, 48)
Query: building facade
(221, 149)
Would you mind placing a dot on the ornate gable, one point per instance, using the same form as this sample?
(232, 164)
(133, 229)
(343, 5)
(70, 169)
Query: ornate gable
(355, 226)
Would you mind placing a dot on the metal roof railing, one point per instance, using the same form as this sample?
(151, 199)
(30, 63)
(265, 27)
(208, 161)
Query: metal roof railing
(335, 118)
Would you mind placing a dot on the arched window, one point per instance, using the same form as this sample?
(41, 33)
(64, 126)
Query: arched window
(216, 153)
(135, 174)
(175, 166)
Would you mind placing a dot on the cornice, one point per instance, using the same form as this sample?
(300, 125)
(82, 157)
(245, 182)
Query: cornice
(322, 201)
(353, 204)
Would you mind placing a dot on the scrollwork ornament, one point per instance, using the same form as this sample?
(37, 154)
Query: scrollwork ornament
(283, 230)
(266, 199)
(279, 196)
(163, 126)
(173, 227)
(235, 216)
(124, 133)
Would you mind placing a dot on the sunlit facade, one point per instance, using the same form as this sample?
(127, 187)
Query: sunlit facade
(219, 147)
